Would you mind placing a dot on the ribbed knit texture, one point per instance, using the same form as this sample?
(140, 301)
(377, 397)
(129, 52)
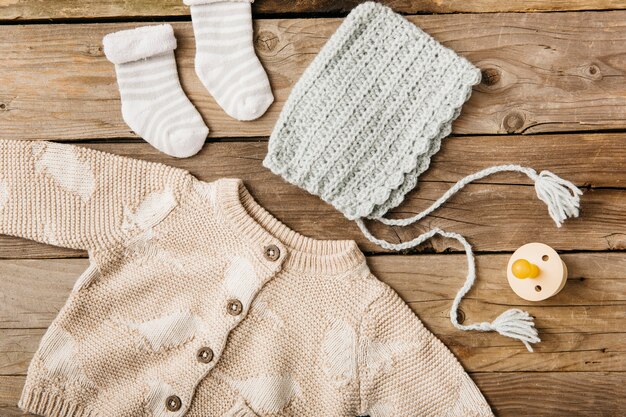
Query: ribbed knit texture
(296, 326)
(362, 123)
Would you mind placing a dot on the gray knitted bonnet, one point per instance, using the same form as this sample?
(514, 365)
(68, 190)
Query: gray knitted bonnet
(364, 120)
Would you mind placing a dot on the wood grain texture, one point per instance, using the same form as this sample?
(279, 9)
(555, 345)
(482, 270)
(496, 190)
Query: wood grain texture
(18, 10)
(549, 394)
(582, 327)
(499, 214)
(543, 72)
(537, 394)
(558, 352)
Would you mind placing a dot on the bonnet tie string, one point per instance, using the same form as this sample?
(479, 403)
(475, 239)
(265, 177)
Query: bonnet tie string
(513, 323)
(561, 196)
(563, 200)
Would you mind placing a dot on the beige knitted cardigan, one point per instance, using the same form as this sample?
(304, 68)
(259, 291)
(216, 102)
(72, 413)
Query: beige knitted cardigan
(198, 302)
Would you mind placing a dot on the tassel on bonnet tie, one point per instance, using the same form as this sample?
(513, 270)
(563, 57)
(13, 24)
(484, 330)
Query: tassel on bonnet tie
(563, 201)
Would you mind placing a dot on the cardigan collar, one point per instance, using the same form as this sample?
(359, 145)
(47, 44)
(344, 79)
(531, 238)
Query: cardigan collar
(259, 227)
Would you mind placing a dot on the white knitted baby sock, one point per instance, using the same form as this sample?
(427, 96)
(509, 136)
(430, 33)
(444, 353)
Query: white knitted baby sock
(225, 59)
(154, 104)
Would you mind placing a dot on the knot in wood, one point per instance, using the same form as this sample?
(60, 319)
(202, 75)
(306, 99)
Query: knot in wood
(266, 41)
(3, 106)
(93, 50)
(593, 71)
(513, 122)
(460, 316)
(616, 241)
(490, 76)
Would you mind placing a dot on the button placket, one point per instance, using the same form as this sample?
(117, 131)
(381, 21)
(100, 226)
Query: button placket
(235, 305)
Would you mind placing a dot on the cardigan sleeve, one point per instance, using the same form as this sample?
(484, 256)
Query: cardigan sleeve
(404, 370)
(77, 197)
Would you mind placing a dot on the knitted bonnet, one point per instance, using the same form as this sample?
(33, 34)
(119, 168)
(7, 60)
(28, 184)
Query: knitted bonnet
(364, 120)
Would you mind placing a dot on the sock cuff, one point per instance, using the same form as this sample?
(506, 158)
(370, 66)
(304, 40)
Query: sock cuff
(199, 2)
(135, 44)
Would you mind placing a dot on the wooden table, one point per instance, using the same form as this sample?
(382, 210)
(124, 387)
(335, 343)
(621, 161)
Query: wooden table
(553, 97)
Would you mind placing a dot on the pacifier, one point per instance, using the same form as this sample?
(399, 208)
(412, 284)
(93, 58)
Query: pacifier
(536, 272)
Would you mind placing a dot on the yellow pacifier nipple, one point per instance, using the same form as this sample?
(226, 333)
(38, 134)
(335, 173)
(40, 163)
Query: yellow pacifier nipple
(523, 269)
(536, 272)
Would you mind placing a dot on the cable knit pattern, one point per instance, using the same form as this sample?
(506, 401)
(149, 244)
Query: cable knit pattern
(362, 123)
(198, 302)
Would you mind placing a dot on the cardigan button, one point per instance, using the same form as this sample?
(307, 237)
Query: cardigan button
(272, 253)
(234, 307)
(205, 355)
(173, 403)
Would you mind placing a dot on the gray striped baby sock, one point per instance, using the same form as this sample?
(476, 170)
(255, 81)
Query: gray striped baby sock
(225, 59)
(154, 104)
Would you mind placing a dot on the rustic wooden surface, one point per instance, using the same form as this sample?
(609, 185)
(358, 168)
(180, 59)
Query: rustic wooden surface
(582, 352)
(499, 214)
(20, 10)
(56, 80)
(595, 292)
(553, 97)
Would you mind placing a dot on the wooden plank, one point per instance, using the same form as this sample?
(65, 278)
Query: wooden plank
(582, 327)
(91, 9)
(35, 290)
(554, 394)
(562, 352)
(544, 72)
(498, 215)
(17, 347)
(587, 159)
(10, 391)
(512, 394)
(494, 218)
